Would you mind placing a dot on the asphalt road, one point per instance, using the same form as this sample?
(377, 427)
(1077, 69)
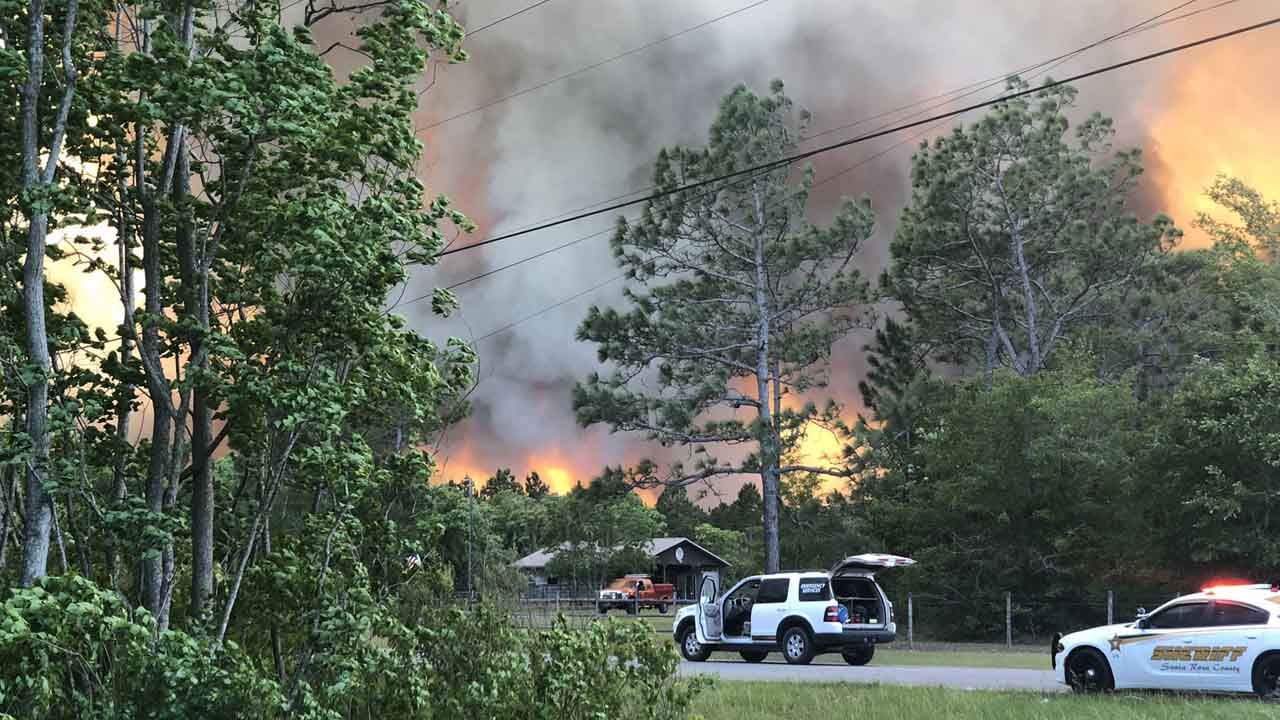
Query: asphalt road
(953, 677)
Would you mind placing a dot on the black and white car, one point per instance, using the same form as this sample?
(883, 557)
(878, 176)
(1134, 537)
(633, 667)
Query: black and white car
(801, 614)
(1223, 639)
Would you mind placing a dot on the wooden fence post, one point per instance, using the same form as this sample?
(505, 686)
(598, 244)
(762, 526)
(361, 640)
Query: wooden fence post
(911, 622)
(1008, 619)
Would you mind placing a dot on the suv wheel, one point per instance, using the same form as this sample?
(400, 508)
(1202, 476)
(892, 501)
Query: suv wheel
(858, 656)
(690, 648)
(797, 646)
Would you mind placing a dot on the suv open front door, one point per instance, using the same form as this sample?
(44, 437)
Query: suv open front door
(708, 623)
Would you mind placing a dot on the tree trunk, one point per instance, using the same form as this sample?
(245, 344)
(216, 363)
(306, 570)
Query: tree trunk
(35, 558)
(6, 511)
(769, 482)
(125, 392)
(195, 280)
(161, 403)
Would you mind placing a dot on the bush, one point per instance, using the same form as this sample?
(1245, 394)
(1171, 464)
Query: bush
(482, 667)
(69, 649)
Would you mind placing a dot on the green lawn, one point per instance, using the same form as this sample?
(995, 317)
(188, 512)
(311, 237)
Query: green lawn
(804, 701)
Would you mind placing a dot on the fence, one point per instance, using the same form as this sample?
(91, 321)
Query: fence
(1006, 619)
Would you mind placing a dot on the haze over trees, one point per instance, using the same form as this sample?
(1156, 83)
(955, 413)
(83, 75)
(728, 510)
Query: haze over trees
(736, 299)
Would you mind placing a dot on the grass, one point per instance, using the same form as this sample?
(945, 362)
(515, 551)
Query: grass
(738, 700)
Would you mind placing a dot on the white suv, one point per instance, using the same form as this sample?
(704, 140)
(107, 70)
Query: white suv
(800, 613)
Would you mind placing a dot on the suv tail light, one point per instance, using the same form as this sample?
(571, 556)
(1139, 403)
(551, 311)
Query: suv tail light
(833, 614)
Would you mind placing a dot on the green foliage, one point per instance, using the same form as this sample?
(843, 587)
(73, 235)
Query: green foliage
(69, 649)
(478, 665)
(745, 556)
(1017, 234)
(1215, 471)
(679, 513)
(1016, 487)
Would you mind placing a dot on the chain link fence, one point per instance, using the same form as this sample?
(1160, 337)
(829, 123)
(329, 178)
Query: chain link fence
(1008, 619)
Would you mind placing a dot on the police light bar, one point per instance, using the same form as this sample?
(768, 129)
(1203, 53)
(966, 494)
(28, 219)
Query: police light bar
(1238, 586)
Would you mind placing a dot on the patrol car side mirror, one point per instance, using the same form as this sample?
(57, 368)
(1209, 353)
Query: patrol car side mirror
(1143, 623)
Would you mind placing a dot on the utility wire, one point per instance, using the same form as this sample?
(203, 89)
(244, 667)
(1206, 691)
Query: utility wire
(764, 167)
(967, 90)
(981, 85)
(549, 308)
(589, 68)
(956, 94)
(505, 18)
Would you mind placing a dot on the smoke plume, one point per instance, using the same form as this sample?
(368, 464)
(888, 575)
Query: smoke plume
(595, 135)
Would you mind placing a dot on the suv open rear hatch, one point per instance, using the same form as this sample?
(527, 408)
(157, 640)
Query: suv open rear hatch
(870, 563)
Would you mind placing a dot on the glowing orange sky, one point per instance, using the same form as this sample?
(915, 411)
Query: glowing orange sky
(1219, 117)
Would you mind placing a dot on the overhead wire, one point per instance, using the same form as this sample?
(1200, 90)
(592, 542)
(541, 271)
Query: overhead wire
(863, 138)
(781, 162)
(505, 18)
(589, 68)
(952, 95)
(967, 90)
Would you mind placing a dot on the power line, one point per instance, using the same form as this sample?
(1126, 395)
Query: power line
(958, 93)
(764, 167)
(981, 85)
(971, 89)
(549, 308)
(505, 18)
(593, 66)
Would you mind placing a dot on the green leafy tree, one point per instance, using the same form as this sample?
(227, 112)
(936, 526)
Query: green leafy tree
(1035, 514)
(680, 513)
(743, 554)
(1017, 233)
(501, 482)
(736, 301)
(535, 487)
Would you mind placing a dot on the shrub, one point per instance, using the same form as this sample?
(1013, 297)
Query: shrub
(69, 649)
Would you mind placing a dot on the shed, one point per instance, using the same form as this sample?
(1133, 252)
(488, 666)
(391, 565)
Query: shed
(676, 560)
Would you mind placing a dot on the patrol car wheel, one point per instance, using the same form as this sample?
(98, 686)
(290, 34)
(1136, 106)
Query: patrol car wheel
(1266, 677)
(797, 647)
(690, 648)
(1088, 671)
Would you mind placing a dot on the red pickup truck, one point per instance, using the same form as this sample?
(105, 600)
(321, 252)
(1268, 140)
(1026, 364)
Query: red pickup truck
(622, 594)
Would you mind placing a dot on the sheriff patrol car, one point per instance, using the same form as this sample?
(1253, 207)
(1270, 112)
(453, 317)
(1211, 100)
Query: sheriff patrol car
(1223, 639)
(801, 614)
